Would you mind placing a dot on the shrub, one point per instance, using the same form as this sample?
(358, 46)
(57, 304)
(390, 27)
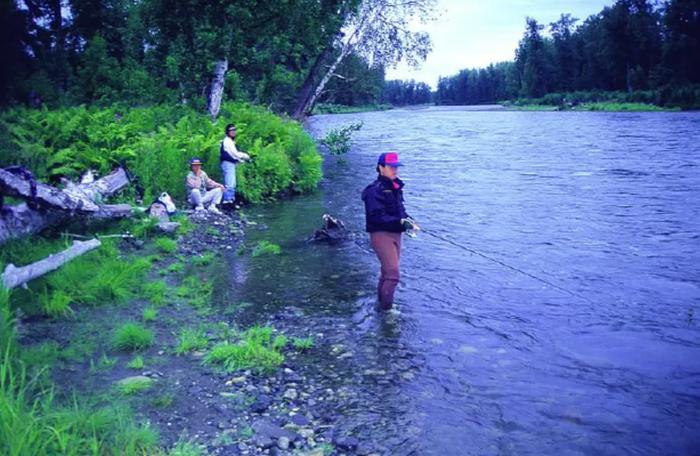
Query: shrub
(132, 336)
(157, 141)
(337, 140)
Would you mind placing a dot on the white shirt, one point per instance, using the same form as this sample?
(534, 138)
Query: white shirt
(230, 148)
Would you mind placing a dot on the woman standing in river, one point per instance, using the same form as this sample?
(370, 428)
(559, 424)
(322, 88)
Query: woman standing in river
(386, 219)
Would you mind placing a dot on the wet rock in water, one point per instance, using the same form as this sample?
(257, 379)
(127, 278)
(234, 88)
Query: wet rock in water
(346, 443)
(332, 230)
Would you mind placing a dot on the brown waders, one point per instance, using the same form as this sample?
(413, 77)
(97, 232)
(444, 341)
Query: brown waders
(387, 246)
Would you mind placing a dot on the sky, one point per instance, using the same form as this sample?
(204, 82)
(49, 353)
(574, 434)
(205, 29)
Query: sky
(475, 33)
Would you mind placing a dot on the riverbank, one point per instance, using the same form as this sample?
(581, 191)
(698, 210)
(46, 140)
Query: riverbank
(601, 106)
(173, 359)
(329, 108)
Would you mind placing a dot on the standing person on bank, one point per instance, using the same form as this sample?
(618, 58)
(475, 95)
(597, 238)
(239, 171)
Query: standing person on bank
(386, 219)
(229, 155)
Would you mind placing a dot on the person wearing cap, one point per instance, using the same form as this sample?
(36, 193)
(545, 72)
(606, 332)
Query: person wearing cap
(386, 219)
(229, 155)
(201, 189)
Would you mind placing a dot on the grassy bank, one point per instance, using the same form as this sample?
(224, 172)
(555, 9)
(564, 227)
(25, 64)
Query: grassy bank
(666, 99)
(329, 108)
(598, 106)
(156, 142)
(108, 346)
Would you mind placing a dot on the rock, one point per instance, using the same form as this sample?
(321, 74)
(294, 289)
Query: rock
(262, 441)
(136, 379)
(168, 227)
(314, 452)
(300, 420)
(346, 443)
(306, 433)
(262, 402)
(267, 428)
(291, 394)
(236, 380)
(283, 443)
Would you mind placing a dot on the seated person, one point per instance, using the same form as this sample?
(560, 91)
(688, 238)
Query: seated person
(201, 190)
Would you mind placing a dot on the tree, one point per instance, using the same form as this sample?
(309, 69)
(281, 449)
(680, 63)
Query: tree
(376, 30)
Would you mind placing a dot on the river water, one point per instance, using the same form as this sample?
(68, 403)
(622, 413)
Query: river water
(480, 359)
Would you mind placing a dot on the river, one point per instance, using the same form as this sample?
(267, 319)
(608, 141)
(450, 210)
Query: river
(478, 358)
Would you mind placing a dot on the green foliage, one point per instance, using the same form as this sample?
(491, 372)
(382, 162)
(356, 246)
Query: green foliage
(134, 385)
(303, 343)
(155, 292)
(132, 336)
(337, 140)
(197, 291)
(165, 245)
(266, 248)
(98, 277)
(255, 350)
(190, 340)
(104, 363)
(185, 447)
(150, 314)
(137, 363)
(31, 422)
(156, 143)
(203, 259)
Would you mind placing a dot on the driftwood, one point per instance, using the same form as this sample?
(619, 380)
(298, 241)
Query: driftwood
(333, 230)
(46, 205)
(14, 276)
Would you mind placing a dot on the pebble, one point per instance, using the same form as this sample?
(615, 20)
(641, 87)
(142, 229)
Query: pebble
(291, 394)
(283, 443)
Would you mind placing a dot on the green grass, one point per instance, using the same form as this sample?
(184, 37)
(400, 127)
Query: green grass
(203, 259)
(175, 268)
(165, 245)
(196, 291)
(137, 363)
(255, 350)
(266, 248)
(134, 385)
(104, 363)
(163, 400)
(96, 278)
(150, 314)
(185, 447)
(155, 292)
(621, 107)
(132, 336)
(33, 423)
(330, 108)
(303, 343)
(190, 340)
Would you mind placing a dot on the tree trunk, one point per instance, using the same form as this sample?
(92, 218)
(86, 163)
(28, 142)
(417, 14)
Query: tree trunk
(47, 205)
(14, 276)
(311, 102)
(307, 89)
(216, 90)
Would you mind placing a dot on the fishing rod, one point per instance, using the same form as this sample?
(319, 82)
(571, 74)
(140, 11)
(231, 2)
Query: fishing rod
(502, 263)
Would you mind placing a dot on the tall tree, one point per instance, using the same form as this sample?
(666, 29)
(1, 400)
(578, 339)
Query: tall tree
(379, 32)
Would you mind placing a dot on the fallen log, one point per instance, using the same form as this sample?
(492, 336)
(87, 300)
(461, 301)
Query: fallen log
(13, 276)
(47, 205)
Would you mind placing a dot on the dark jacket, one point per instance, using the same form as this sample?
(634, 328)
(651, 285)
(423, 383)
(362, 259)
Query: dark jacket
(384, 207)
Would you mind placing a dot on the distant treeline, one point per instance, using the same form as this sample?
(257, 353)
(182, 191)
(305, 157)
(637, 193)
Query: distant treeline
(647, 51)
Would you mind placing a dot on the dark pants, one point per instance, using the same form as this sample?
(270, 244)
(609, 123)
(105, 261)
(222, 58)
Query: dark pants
(388, 249)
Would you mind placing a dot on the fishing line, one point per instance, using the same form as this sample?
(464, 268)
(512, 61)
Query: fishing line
(504, 264)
